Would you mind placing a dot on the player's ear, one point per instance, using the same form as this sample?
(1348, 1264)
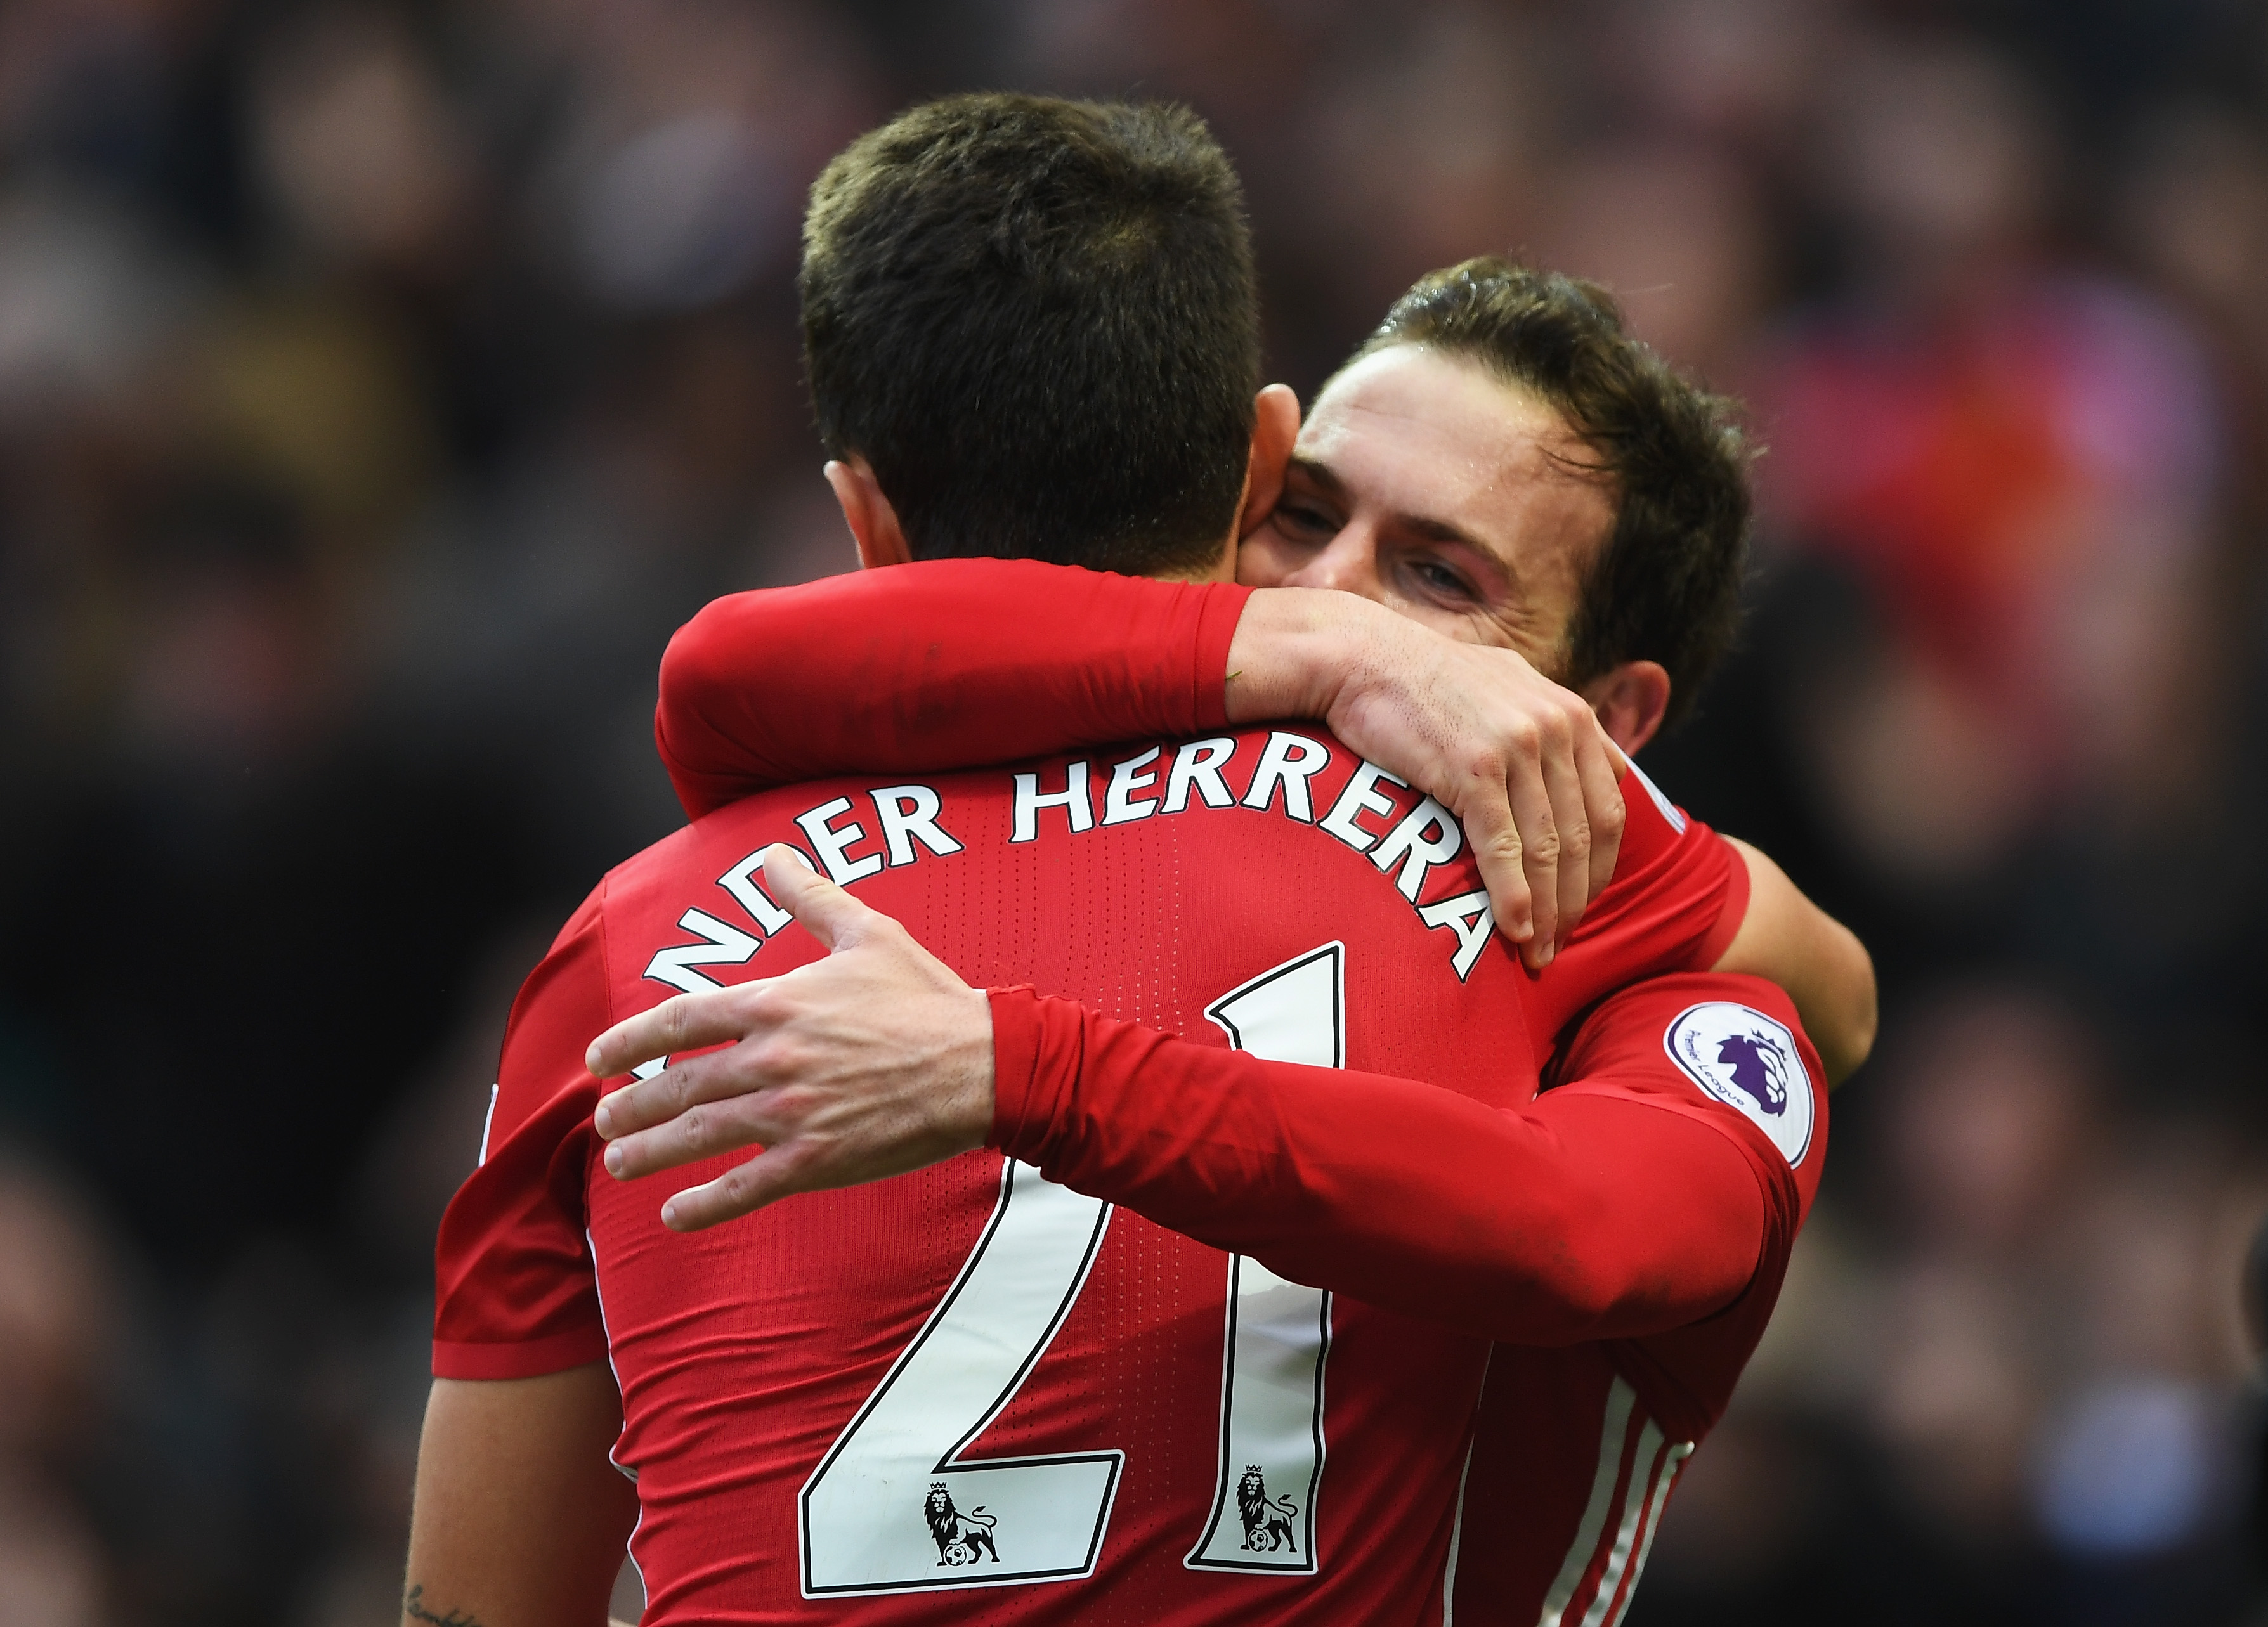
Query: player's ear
(1629, 701)
(873, 522)
(1275, 427)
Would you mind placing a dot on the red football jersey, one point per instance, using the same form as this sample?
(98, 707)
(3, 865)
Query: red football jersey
(900, 672)
(973, 1376)
(1624, 1235)
(1114, 655)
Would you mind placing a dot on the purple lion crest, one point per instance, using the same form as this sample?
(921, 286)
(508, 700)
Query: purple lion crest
(1759, 1067)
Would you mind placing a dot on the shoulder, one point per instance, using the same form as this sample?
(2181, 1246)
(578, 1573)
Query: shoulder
(1727, 1049)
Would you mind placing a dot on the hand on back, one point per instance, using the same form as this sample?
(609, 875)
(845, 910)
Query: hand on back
(871, 1062)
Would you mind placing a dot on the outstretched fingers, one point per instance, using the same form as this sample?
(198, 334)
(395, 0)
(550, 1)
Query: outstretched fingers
(679, 1120)
(778, 1173)
(683, 1023)
(837, 920)
(748, 1065)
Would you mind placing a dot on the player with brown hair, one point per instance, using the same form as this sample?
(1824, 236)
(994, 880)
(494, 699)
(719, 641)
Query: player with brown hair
(1059, 1368)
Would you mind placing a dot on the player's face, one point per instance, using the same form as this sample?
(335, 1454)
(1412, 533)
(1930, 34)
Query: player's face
(1421, 481)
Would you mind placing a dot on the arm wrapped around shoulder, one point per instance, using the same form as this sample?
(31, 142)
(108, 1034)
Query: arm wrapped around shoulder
(1626, 1203)
(943, 663)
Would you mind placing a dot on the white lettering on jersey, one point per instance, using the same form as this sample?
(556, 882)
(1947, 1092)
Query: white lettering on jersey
(722, 946)
(1748, 1061)
(1361, 792)
(892, 1507)
(1271, 1466)
(907, 823)
(833, 845)
(1120, 805)
(907, 814)
(1199, 764)
(1409, 842)
(740, 882)
(1469, 917)
(1290, 760)
(1072, 800)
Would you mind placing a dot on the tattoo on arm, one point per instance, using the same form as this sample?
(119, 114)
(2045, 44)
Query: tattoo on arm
(414, 1607)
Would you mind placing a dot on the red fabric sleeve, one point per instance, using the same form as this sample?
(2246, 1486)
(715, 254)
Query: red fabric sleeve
(1631, 1205)
(1678, 894)
(515, 1295)
(1687, 1376)
(1734, 910)
(945, 664)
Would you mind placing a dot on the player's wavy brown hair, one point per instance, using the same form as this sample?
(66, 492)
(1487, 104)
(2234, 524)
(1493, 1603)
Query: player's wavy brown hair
(1667, 585)
(1037, 319)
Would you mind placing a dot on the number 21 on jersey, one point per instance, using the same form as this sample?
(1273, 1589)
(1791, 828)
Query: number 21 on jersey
(892, 1507)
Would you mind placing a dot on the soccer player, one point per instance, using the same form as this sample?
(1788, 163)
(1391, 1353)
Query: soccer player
(975, 1375)
(1499, 461)
(1108, 658)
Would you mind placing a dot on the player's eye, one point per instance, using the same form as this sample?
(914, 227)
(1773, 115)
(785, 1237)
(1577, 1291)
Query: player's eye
(1438, 579)
(1305, 518)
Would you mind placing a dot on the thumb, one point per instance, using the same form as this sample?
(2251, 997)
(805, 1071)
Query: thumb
(826, 911)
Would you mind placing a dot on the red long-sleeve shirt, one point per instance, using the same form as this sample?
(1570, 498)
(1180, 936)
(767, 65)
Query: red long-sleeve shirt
(754, 1358)
(947, 664)
(950, 663)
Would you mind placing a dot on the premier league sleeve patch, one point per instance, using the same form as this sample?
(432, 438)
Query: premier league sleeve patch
(1748, 1061)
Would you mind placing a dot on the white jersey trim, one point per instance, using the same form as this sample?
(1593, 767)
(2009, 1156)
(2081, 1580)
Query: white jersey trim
(1647, 1460)
(1669, 810)
(1457, 1525)
(1654, 1463)
(1620, 1399)
(1672, 1461)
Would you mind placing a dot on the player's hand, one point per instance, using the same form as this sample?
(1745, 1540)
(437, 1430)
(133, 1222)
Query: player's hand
(873, 1062)
(1522, 762)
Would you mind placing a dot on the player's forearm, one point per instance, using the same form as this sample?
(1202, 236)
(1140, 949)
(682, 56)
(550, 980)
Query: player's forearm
(1833, 992)
(520, 1519)
(1296, 648)
(932, 666)
(1786, 938)
(1576, 1220)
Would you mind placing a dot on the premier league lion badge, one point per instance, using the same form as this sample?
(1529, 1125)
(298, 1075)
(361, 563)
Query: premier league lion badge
(1748, 1061)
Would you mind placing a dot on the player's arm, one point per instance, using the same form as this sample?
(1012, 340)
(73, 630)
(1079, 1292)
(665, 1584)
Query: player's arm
(907, 669)
(1789, 940)
(1583, 1216)
(1594, 1212)
(520, 1519)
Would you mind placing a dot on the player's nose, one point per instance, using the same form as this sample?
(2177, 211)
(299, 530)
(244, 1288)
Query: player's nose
(1348, 563)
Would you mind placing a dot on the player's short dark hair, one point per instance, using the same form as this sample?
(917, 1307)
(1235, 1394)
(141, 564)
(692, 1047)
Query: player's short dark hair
(1038, 322)
(1667, 585)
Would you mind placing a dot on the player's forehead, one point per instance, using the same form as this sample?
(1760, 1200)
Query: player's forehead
(1413, 432)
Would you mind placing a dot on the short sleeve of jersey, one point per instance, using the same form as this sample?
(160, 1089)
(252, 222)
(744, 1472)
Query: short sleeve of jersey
(515, 1296)
(1678, 896)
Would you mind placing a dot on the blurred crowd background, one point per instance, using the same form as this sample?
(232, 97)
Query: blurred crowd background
(380, 385)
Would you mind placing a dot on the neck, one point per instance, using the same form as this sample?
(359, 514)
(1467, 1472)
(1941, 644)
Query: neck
(1222, 568)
